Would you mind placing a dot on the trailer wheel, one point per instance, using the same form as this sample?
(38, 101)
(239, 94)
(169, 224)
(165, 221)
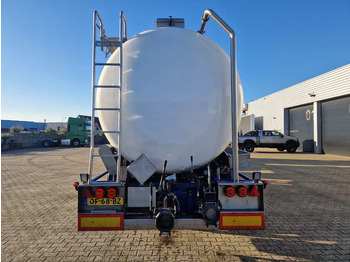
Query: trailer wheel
(291, 147)
(76, 142)
(249, 147)
(281, 149)
(46, 143)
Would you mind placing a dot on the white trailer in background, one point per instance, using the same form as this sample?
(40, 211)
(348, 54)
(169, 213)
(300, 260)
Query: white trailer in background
(169, 101)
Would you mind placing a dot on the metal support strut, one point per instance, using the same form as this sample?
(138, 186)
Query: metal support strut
(207, 14)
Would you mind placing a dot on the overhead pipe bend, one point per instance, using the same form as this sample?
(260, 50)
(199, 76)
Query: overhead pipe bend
(210, 13)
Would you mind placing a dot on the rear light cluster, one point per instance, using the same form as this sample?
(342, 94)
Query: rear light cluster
(241, 191)
(230, 191)
(100, 192)
(111, 192)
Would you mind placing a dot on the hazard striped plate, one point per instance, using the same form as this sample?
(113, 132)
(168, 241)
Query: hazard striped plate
(242, 221)
(100, 222)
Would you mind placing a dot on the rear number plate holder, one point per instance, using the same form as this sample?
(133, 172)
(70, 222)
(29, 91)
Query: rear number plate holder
(94, 201)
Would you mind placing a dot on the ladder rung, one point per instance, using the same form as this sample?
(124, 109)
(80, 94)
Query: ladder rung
(107, 108)
(105, 86)
(108, 43)
(107, 64)
(105, 132)
(105, 155)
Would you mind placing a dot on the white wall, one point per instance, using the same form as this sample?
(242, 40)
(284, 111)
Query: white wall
(247, 124)
(332, 84)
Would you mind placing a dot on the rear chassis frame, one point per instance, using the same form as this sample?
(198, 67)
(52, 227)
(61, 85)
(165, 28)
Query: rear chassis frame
(140, 203)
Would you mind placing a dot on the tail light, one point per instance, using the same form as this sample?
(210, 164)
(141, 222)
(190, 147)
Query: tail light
(229, 191)
(111, 192)
(254, 191)
(265, 183)
(242, 191)
(99, 193)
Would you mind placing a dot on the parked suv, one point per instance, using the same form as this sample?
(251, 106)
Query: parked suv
(268, 138)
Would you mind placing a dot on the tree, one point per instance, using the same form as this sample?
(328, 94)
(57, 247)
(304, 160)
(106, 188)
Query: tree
(63, 131)
(16, 129)
(50, 130)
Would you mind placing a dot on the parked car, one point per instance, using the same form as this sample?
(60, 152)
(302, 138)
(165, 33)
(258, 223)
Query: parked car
(268, 138)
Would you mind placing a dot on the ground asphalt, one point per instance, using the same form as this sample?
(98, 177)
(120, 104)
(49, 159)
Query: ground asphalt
(307, 214)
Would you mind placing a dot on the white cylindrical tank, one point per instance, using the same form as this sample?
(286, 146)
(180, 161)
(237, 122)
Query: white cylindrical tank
(175, 98)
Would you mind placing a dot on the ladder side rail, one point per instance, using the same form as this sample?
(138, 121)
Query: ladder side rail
(92, 138)
(122, 22)
(233, 66)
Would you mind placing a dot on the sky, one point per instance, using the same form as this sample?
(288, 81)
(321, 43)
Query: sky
(46, 46)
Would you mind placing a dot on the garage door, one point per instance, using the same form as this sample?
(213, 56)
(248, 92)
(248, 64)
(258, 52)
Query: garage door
(336, 126)
(301, 125)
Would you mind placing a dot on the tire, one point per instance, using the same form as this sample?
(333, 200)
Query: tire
(281, 149)
(249, 147)
(291, 147)
(76, 142)
(46, 143)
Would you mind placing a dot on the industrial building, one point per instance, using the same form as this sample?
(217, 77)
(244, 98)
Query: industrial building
(26, 125)
(317, 111)
(30, 125)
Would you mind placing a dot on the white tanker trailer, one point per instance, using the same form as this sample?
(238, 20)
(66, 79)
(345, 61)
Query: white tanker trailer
(169, 101)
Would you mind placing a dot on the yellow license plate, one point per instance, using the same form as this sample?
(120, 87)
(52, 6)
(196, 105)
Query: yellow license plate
(94, 201)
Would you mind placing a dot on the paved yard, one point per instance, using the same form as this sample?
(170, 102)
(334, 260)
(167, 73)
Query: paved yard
(307, 208)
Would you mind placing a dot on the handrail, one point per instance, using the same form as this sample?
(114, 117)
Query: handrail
(122, 15)
(102, 31)
(233, 64)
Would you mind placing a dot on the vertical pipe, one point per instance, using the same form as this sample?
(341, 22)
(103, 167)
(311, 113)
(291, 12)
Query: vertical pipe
(209, 176)
(120, 94)
(286, 121)
(229, 30)
(92, 141)
(234, 172)
(317, 127)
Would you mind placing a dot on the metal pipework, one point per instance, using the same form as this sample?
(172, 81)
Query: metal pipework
(207, 14)
(209, 176)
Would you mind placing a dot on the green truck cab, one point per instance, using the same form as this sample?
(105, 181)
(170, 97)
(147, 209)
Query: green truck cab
(78, 131)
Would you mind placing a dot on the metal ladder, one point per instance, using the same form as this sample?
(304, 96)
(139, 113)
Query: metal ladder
(111, 44)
